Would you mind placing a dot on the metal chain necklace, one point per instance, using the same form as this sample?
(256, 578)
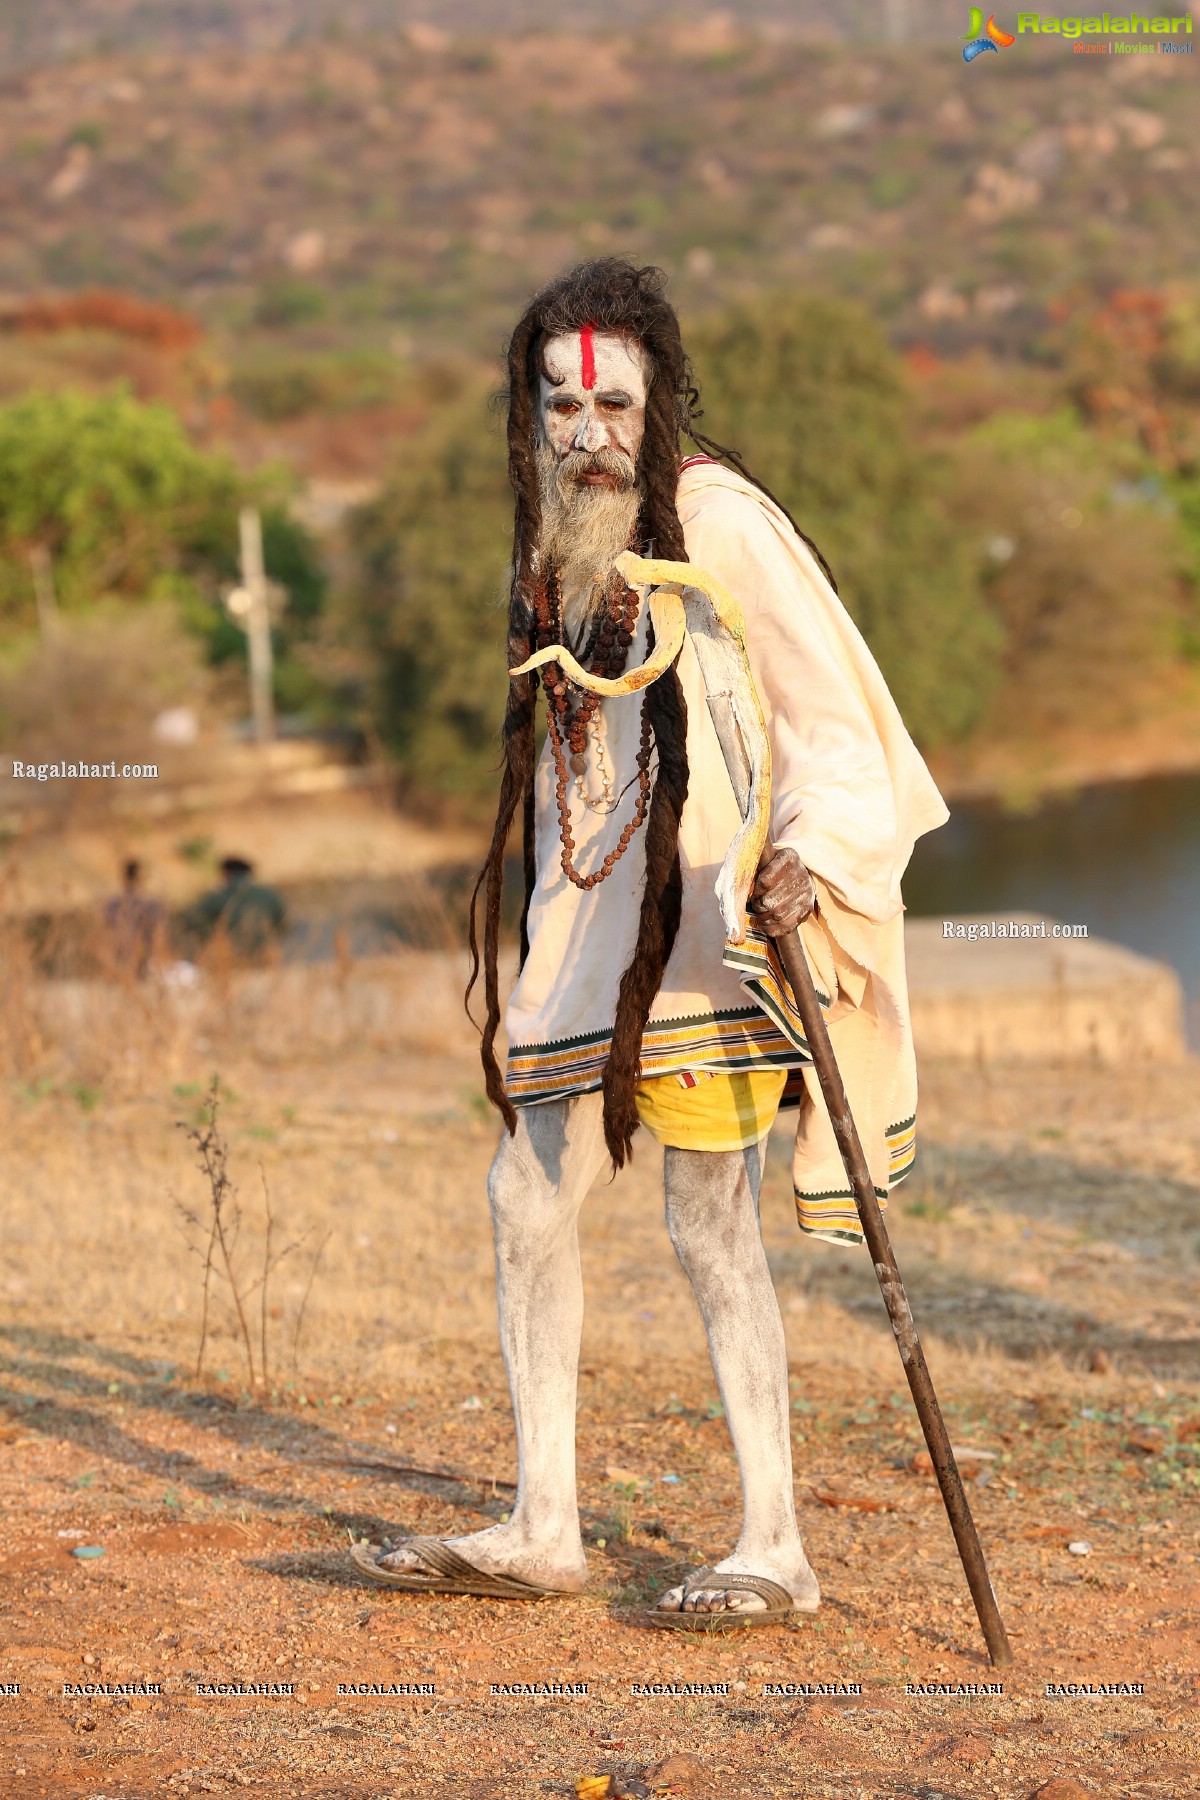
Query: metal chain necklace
(570, 712)
(605, 801)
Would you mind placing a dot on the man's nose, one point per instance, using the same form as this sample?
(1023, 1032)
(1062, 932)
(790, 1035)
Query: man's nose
(590, 433)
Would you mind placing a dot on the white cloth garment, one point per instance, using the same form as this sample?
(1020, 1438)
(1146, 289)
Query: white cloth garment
(851, 794)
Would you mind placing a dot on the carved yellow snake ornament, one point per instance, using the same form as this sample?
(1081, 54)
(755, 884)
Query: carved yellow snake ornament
(683, 600)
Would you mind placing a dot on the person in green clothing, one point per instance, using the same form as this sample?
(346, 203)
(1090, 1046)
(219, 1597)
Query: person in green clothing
(250, 914)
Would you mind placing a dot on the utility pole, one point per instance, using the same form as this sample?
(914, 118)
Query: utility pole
(249, 604)
(898, 20)
(42, 570)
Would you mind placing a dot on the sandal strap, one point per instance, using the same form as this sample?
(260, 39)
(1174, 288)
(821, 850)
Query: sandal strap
(446, 1562)
(775, 1597)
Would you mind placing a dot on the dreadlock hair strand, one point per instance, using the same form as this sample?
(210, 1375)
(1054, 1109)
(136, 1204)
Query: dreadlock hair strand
(610, 295)
(519, 735)
(516, 783)
(662, 896)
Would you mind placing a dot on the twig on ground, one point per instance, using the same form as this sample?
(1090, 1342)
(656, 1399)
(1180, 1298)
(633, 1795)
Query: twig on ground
(213, 1152)
(304, 1302)
(266, 1275)
(384, 1467)
(221, 1229)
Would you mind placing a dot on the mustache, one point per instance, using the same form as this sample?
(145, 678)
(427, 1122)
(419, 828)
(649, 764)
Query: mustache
(577, 464)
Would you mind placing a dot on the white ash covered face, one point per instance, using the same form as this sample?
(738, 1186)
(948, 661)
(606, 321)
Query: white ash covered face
(592, 408)
(593, 397)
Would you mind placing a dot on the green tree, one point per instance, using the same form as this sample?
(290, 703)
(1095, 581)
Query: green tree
(427, 613)
(129, 509)
(811, 394)
(1087, 579)
(113, 489)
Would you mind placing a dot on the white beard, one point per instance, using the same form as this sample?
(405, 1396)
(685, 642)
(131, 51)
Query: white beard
(584, 529)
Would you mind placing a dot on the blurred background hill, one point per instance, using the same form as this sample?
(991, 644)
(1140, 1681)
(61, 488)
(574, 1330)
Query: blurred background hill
(74, 27)
(268, 252)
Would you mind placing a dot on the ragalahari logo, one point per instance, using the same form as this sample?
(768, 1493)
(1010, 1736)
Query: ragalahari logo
(980, 37)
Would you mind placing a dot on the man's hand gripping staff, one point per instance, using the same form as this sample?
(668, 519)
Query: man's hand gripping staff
(682, 598)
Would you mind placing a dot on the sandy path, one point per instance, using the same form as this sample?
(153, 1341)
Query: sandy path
(1051, 1245)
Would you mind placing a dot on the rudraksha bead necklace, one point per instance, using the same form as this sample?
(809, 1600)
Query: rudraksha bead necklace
(571, 710)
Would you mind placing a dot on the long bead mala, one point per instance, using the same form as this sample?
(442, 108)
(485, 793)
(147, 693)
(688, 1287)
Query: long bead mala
(569, 712)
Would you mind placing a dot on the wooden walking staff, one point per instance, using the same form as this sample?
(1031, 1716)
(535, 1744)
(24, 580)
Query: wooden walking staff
(891, 1285)
(681, 597)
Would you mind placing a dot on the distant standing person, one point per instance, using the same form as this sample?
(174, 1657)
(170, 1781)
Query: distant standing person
(251, 914)
(136, 925)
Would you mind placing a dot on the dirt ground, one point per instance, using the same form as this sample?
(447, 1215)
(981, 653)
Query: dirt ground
(1051, 1242)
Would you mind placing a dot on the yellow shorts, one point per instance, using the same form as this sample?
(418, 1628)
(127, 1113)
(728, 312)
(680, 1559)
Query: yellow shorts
(711, 1110)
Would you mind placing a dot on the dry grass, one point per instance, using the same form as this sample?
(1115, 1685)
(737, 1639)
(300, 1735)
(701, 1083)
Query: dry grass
(1048, 1266)
(1043, 1196)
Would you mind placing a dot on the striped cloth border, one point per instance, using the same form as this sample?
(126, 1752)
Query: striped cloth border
(735, 1039)
(757, 965)
(833, 1215)
(769, 1035)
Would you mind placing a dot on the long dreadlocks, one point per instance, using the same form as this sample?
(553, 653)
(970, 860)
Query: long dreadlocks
(610, 295)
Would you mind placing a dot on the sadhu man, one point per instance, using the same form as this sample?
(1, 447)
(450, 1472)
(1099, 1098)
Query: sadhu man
(631, 1010)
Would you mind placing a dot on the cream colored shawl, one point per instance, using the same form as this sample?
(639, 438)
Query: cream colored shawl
(851, 794)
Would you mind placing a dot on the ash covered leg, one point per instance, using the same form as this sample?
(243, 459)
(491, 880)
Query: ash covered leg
(536, 1186)
(712, 1216)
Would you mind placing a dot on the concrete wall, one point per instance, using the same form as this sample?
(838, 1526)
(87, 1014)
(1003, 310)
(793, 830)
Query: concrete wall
(997, 1000)
(1039, 999)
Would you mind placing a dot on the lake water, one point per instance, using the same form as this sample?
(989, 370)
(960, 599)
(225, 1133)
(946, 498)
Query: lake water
(1124, 860)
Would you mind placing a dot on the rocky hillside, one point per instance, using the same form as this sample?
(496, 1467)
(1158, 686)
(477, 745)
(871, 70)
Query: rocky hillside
(412, 186)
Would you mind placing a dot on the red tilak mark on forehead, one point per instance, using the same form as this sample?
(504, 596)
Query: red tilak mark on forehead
(587, 356)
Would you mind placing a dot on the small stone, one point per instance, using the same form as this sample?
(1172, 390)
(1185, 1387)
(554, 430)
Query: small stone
(1080, 1547)
(1061, 1787)
(1099, 1363)
(622, 1476)
(681, 1772)
(971, 1463)
(87, 1550)
(827, 1706)
(970, 1750)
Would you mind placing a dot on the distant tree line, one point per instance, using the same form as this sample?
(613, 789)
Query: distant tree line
(1038, 567)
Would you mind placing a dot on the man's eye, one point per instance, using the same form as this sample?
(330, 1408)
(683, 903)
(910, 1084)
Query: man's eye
(614, 405)
(564, 406)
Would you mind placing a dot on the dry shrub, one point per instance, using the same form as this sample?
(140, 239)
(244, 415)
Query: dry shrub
(1090, 613)
(113, 1029)
(104, 309)
(90, 693)
(1082, 571)
(23, 1047)
(107, 1028)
